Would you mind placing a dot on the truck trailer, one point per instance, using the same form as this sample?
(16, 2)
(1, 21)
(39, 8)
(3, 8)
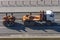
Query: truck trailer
(8, 20)
(43, 18)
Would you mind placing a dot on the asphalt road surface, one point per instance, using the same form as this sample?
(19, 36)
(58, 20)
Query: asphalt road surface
(19, 28)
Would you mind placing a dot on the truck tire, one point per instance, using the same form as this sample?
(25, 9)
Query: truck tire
(26, 23)
(8, 24)
(4, 23)
(29, 23)
(49, 23)
(11, 23)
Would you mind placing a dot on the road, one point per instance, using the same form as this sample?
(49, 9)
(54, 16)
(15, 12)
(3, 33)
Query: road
(20, 29)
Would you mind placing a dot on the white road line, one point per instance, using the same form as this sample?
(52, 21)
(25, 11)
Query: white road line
(2, 27)
(28, 36)
(1, 20)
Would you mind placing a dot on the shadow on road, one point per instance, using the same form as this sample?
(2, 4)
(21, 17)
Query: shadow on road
(37, 26)
(17, 27)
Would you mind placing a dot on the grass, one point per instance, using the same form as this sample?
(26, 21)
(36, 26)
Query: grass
(29, 38)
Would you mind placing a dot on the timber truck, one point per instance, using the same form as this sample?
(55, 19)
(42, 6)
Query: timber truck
(43, 18)
(31, 20)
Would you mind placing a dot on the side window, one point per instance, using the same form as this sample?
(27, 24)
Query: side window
(52, 15)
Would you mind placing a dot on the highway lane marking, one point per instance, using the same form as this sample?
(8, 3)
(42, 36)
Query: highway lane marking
(28, 36)
(3, 27)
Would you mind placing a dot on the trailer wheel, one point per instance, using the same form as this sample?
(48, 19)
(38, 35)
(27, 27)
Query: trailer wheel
(4, 23)
(8, 24)
(11, 23)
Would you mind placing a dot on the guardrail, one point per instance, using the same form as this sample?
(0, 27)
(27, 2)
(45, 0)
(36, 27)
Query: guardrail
(23, 12)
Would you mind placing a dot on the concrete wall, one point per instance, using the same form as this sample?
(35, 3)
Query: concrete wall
(29, 5)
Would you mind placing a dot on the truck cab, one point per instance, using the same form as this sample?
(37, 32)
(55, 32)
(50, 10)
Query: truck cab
(50, 16)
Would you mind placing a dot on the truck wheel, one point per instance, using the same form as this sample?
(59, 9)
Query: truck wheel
(8, 24)
(5, 23)
(11, 23)
(26, 23)
(32, 23)
(29, 23)
(49, 23)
